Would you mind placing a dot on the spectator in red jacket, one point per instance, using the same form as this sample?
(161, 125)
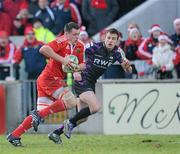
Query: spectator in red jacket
(11, 8)
(131, 47)
(6, 23)
(146, 47)
(176, 59)
(6, 54)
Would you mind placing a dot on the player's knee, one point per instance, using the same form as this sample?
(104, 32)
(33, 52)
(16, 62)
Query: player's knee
(70, 100)
(96, 108)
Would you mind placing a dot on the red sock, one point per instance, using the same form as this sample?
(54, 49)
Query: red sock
(22, 128)
(55, 107)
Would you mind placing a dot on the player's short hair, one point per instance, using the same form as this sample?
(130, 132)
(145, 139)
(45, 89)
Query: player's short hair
(113, 31)
(69, 26)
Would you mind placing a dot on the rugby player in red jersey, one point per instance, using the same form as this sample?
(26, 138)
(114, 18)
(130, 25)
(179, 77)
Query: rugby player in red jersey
(50, 85)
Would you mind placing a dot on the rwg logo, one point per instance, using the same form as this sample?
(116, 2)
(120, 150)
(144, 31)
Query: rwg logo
(102, 62)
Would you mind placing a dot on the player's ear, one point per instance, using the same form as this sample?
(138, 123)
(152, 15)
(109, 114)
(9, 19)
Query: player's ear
(65, 33)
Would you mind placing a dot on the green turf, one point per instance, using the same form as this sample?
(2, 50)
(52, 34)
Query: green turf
(95, 144)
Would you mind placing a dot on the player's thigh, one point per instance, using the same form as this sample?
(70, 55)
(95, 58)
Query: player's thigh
(91, 100)
(81, 104)
(50, 86)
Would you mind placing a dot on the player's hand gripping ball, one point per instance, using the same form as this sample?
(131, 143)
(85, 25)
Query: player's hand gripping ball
(72, 64)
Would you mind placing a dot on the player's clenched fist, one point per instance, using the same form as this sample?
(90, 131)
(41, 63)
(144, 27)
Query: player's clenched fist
(126, 65)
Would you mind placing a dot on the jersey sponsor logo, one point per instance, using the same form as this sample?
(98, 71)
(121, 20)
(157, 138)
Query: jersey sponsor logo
(102, 63)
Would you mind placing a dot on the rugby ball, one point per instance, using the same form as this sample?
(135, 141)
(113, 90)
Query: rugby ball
(75, 61)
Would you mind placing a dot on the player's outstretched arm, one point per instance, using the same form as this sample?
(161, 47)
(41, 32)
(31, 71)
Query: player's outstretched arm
(126, 65)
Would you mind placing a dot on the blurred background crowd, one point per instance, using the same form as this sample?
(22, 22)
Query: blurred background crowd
(40, 21)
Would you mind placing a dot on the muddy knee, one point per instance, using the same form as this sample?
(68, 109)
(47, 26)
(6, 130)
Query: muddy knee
(70, 100)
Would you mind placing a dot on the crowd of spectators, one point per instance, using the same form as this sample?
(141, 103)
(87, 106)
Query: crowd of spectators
(54, 14)
(40, 21)
(157, 56)
(19, 14)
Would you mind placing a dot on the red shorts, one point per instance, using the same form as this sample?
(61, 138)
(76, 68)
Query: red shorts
(47, 85)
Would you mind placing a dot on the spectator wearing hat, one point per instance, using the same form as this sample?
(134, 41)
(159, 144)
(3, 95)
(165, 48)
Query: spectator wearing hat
(7, 50)
(29, 51)
(144, 65)
(64, 12)
(99, 14)
(132, 43)
(131, 47)
(42, 34)
(132, 26)
(176, 36)
(162, 58)
(46, 14)
(146, 47)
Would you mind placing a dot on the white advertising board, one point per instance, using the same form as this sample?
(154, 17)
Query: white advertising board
(143, 108)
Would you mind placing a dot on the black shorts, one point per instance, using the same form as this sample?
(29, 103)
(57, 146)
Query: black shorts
(79, 87)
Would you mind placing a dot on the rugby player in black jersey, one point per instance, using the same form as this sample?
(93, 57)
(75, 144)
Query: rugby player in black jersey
(99, 56)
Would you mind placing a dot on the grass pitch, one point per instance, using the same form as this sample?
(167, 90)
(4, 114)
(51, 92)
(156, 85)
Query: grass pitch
(95, 144)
